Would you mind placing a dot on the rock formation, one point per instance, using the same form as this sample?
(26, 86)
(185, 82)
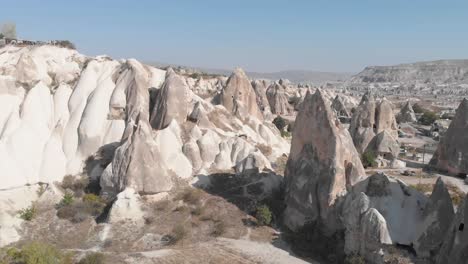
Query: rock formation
(238, 97)
(455, 244)
(340, 108)
(439, 215)
(322, 165)
(452, 152)
(384, 145)
(171, 102)
(385, 118)
(279, 99)
(136, 163)
(406, 114)
(260, 87)
(362, 127)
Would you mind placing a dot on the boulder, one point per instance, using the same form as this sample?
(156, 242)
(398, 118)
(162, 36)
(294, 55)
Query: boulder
(406, 114)
(452, 152)
(239, 97)
(322, 165)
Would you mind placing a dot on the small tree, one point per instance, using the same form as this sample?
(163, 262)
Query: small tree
(1, 36)
(280, 123)
(263, 215)
(9, 30)
(418, 109)
(428, 118)
(368, 159)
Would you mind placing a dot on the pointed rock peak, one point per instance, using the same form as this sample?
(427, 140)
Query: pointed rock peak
(440, 192)
(463, 107)
(367, 97)
(239, 72)
(169, 71)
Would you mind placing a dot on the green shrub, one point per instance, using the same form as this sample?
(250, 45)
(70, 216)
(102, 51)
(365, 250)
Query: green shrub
(28, 213)
(418, 109)
(280, 123)
(285, 133)
(37, 253)
(263, 215)
(93, 258)
(67, 199)
(428, 118)
(368, 159)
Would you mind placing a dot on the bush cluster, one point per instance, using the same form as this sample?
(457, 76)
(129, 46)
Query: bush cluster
(263, 215)
(35, 253)
(368, 159)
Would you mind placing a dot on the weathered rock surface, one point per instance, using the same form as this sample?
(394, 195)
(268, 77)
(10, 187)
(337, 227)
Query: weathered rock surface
(363, 123)
(136, 162)
(239, 97)
(322, 165)
(171, 102)
(439, 215)
(455, 245)
(279, 99)
(340, 107)
(406, 114)
(452, 152)
(385, 118)
(384, 145)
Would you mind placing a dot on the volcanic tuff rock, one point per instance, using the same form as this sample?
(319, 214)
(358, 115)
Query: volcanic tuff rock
(392, 203)
(340, 108)
(452, 152)
(385, 145)
(322, 165)
(260, 87)
(439, 215)
(136, 163)
(406, 114)
(171, 102)
(455, 245)
(363, 122)
(279, 99)
(239, 96)
(385, 118)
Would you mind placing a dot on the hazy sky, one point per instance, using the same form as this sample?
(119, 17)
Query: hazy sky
(258, 35)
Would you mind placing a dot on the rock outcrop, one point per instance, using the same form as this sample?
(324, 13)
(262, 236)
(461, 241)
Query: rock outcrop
(385, 118)
(455, 245)
(323, 164)
(136, 163)
(439, 215)
(362, 127)
(171, 102)
(384, 145)
(340, 107)
(452, 152)
(279, 99)
(239, 97)
(260, 87)
(406, 114)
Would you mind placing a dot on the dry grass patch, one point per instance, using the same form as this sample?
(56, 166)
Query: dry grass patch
(265, 149)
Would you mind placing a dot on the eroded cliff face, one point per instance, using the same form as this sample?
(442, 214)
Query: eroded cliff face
(445, 71)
